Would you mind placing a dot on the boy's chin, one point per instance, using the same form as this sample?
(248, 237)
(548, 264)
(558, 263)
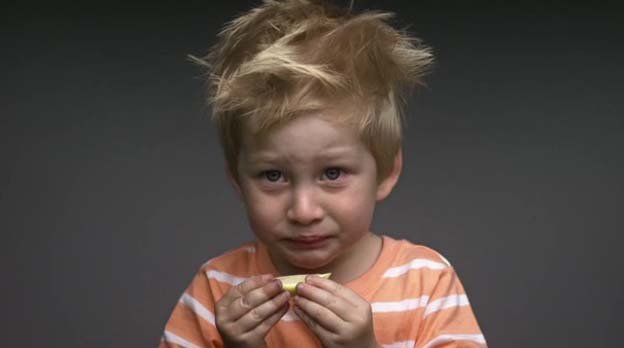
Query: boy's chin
(309, 263)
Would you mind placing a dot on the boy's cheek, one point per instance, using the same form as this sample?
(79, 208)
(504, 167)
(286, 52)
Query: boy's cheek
(358, 209)
(261, 219)
(264, 219)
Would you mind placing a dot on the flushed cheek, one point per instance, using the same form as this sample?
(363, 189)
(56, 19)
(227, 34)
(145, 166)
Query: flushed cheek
(354, 213)
(264, 217)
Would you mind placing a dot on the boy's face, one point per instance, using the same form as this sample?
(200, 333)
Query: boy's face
(310, 188)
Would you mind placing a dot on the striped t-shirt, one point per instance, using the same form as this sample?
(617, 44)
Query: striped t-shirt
(416, 298)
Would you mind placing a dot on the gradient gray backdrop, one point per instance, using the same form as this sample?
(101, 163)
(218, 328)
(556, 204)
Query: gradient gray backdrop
(113, 191)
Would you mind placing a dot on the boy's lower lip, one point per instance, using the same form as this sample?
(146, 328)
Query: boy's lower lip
(308, 243)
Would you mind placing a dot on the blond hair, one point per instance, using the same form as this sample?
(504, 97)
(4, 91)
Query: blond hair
(287, 58)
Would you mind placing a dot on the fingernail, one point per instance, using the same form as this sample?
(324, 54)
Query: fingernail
(267, 277)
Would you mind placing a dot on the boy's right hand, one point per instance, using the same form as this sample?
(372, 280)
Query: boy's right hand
(246, 313)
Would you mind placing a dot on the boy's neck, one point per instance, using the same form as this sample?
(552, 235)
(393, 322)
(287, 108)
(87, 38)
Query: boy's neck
(349, 266)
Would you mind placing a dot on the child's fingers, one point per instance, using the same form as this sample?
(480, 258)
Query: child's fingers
(338, 305)
(262, 328)
(337, 289)
(240, 290)
(252, 299)
(313, 325)
(319, 315)
(258, 314)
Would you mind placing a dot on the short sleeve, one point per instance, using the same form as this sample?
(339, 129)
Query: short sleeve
(192, 322)
(448, 320)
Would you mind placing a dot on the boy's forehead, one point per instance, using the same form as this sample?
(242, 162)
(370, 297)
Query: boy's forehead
(343, 112)
(305, 136)
(331, 123)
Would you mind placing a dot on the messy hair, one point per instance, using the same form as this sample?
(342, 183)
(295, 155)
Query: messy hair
(288, 58)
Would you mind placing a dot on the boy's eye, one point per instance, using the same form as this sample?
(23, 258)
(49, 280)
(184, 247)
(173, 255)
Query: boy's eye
(333, 173)
(273, 175)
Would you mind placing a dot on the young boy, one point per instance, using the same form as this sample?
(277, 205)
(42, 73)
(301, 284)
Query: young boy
(306, 99)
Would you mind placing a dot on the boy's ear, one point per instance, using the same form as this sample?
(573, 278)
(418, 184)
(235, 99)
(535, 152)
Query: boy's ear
(387, 184)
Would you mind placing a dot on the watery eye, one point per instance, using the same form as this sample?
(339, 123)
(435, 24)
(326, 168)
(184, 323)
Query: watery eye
(272, 175)
(332, 173)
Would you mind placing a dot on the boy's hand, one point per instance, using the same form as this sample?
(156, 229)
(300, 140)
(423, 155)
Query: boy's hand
(336, 314)
(247, 312)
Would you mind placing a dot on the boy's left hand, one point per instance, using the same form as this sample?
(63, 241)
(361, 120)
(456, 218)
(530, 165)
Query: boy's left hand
(336, 314)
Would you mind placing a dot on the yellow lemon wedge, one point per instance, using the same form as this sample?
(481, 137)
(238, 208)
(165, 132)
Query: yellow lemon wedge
(289, 283)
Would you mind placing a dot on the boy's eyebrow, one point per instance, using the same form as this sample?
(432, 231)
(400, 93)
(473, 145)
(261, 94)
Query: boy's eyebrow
(328, 154)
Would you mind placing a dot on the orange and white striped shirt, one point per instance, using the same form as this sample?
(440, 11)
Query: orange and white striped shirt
(416, 298)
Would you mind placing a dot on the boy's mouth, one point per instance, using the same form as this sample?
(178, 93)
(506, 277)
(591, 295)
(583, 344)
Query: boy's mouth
(309, 242)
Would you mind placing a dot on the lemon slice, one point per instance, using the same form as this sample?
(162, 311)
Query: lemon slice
(289, 283)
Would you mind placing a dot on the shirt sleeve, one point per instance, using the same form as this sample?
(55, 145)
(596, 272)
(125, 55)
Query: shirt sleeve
(448, 320)
(192, 322)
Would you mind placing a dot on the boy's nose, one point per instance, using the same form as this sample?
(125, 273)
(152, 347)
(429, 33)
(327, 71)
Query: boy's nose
(304, 207)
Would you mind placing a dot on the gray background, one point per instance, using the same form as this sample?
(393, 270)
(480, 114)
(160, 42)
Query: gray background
(113, 191)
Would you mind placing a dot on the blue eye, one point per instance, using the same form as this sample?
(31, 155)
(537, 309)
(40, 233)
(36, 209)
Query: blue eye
(333, 173)
(272, 175)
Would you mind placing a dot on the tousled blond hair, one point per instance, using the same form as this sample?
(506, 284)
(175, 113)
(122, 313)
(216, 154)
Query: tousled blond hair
(288, 58)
